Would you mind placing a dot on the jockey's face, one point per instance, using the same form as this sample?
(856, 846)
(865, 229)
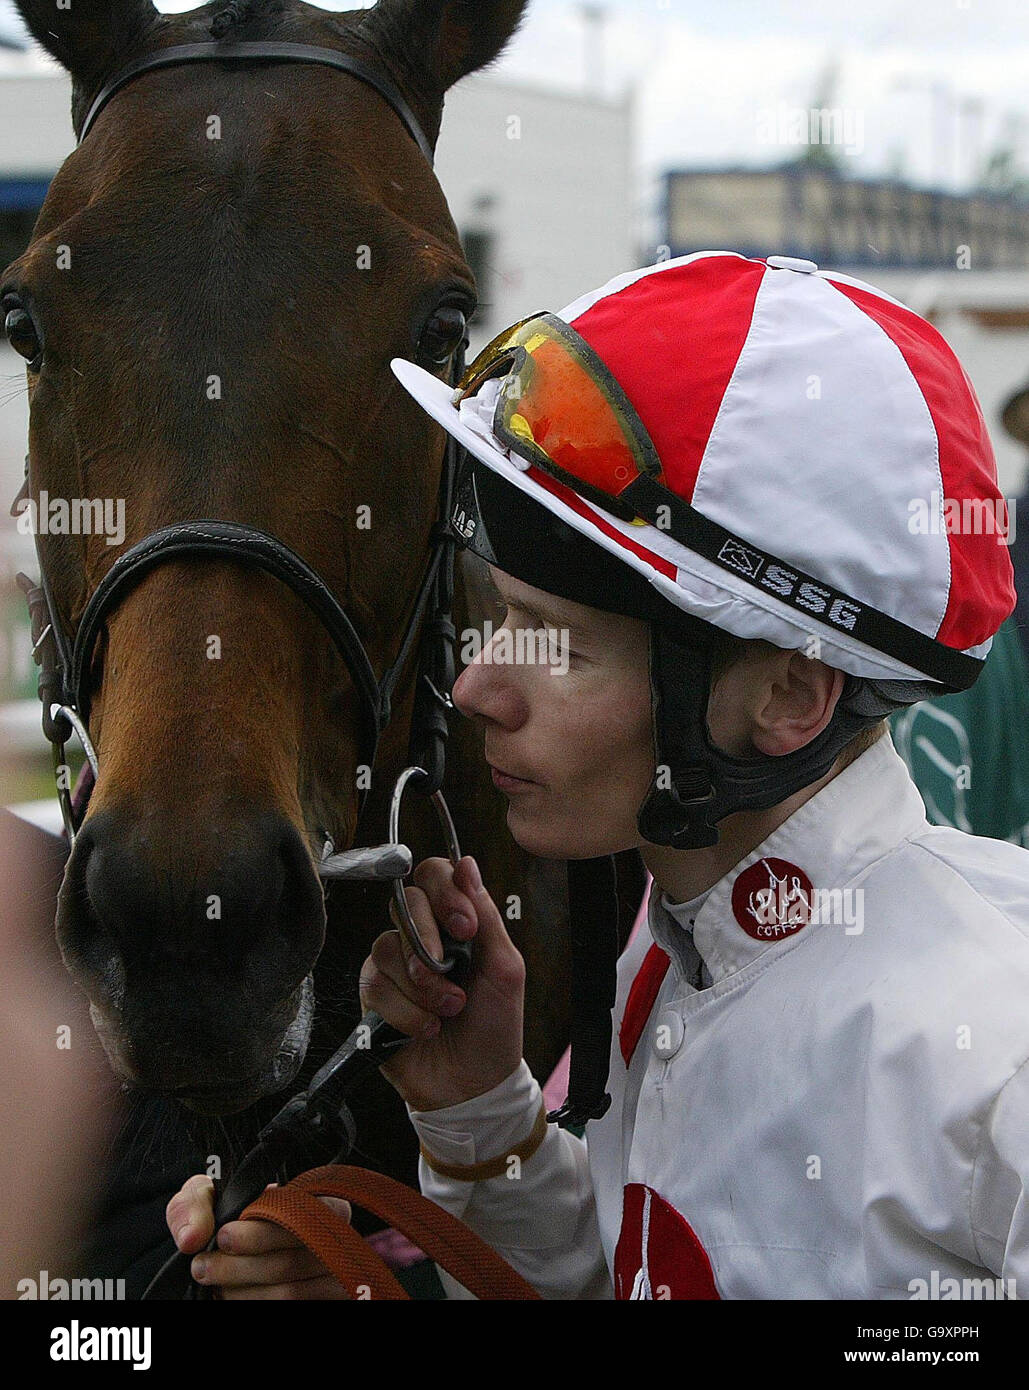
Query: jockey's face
(563, 691)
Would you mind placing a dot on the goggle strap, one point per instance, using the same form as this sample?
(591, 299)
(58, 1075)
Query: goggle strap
(810, 597)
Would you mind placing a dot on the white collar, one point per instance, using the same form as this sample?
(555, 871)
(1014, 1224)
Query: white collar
(761, 904)
(672, 926)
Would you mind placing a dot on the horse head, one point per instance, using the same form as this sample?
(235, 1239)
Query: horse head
(217, 282)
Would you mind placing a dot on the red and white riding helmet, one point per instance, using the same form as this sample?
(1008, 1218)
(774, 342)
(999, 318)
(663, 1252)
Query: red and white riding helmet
(780, 451)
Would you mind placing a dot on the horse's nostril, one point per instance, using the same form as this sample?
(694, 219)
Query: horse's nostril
(241, 899)
(295, 912)
(89, 949)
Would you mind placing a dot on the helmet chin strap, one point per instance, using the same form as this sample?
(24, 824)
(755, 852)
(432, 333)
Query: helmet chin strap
(696, 784)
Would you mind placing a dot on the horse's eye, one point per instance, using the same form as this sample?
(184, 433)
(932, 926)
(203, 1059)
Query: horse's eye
(22, 336)
(442, 335)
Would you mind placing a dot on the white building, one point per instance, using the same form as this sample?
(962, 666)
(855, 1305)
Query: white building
(543, 183)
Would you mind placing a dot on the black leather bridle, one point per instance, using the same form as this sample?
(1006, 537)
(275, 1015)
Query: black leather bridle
(65, 665)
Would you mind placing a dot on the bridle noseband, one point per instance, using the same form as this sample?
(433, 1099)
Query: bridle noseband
(65, 666)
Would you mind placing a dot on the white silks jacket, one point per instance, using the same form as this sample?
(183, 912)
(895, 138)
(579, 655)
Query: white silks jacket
(841, 1113)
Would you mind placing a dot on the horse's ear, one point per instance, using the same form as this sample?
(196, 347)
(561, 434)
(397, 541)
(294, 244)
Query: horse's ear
(87, 37)
(446, 39)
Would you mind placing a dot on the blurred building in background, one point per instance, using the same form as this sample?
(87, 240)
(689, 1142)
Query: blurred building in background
(822, 216)
(542, 188)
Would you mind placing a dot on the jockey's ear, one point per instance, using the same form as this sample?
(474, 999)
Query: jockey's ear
(792, 701)
(768, 700)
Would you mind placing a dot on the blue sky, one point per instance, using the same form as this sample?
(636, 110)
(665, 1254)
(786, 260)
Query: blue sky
(928, 86)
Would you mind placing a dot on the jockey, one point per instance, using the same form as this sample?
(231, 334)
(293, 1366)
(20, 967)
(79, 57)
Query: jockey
(720, 487)
(818, 1083)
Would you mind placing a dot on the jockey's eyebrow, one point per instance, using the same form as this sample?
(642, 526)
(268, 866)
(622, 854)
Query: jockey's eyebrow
(535, 609)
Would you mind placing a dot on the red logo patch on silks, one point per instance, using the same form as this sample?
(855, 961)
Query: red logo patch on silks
(640, 1002)
(659, 1255)
(772, 899)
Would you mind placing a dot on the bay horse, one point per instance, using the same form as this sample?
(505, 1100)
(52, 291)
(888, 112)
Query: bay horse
(216, 284)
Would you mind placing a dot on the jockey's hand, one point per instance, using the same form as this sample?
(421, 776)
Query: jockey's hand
(465, 1043)
(254, 1259)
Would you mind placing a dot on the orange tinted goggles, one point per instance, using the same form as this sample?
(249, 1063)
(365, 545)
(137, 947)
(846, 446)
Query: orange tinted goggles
(560, 407)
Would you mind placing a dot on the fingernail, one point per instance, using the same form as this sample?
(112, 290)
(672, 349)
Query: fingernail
(457, 920)
(451, 1005)
(181, 1232)
(198, 1269)
(224, 1240)
(474, 875)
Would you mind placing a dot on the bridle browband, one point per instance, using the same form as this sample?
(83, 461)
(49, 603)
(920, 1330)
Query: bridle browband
(66, 666)
(255, 52)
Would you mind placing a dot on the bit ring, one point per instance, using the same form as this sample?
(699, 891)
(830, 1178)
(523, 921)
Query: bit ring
(408, 930)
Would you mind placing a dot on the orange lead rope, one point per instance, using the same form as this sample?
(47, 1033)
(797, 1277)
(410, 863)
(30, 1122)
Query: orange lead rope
(351, 1261)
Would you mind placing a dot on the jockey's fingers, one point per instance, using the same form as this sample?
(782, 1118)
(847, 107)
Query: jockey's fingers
(449, 903)
(257, 1237)
(282, 1266)
(495, 952)
(190, 1214)
(433, 987)
(386, 987)
(426, 926)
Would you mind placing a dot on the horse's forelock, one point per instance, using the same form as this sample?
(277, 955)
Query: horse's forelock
(239, 14)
